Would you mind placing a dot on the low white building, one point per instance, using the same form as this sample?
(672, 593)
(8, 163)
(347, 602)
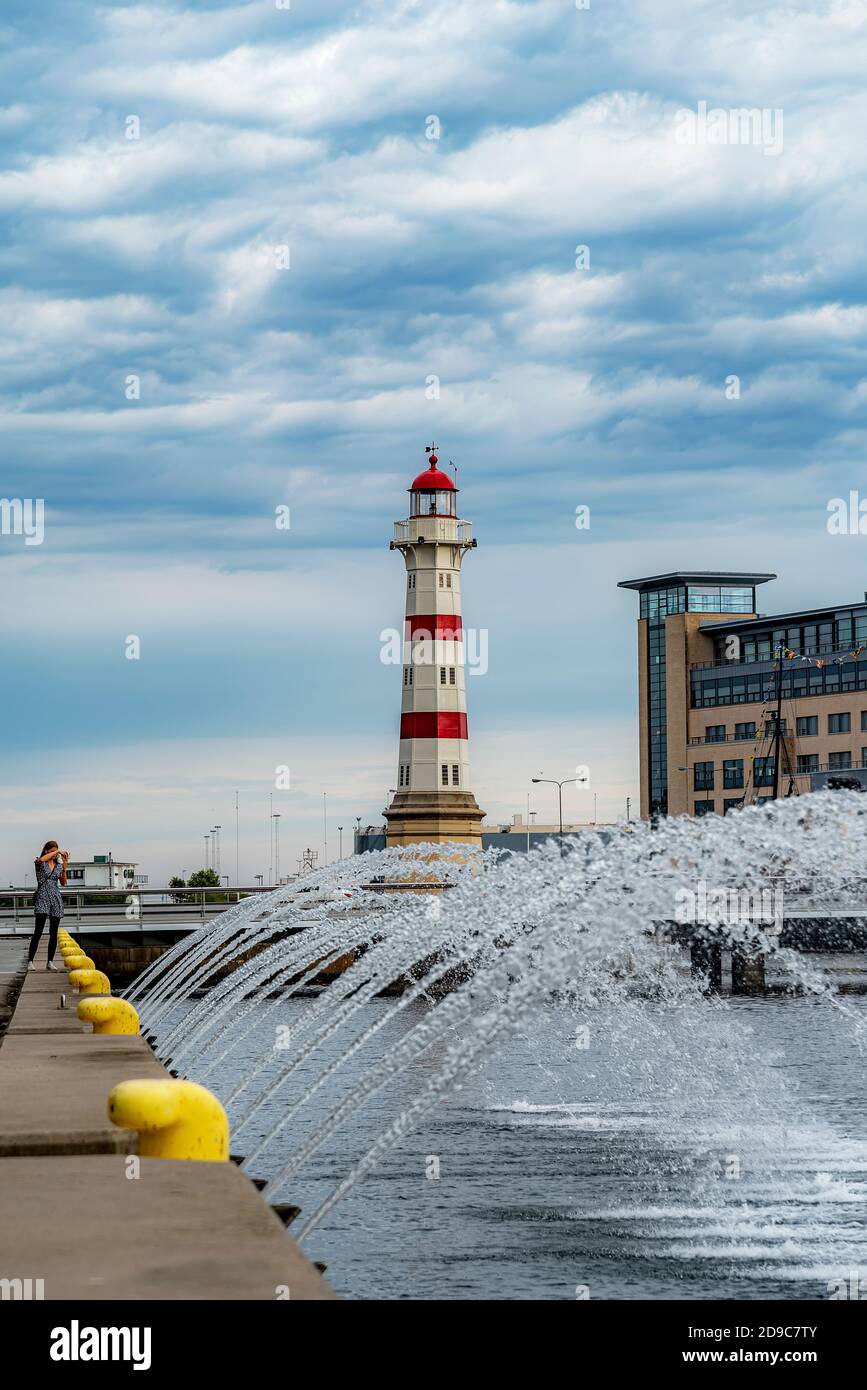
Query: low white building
(102, 871)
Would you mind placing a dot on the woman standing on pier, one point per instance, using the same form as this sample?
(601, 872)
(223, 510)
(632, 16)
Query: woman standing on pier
(47, 900)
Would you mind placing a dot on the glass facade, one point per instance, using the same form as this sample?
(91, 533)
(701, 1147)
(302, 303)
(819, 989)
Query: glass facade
(655, 605)
(716, 598)
(710, 687)
(821, 635)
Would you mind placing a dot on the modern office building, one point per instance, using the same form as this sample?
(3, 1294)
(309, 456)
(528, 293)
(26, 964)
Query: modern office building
(713, 677)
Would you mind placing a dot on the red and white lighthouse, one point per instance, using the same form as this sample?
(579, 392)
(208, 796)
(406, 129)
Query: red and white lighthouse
(433, 800)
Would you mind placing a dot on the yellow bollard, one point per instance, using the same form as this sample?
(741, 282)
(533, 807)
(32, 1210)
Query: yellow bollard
(78, 962)
(89, 982)
(109, 1015)
(174, 1119)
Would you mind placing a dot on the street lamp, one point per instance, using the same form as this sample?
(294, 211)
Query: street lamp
(340, 833)
(559, 785)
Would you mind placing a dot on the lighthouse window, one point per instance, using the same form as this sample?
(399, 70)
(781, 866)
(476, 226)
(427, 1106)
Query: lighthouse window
(441, 581)
(444, 772)
(410, 583)
(442, 675)
(456, 775)
(448, 581)
(407, 675)
(451, 675)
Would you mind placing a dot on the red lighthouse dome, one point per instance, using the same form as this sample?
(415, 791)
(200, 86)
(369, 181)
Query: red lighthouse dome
(432, 480)
(433, 493)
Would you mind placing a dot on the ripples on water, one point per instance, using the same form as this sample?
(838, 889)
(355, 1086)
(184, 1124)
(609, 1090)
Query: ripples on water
(554, 1175)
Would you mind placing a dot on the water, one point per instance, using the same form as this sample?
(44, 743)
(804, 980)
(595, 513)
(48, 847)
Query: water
(560, 1168)
(575, 1113)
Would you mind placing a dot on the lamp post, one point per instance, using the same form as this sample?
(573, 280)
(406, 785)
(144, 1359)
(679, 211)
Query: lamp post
(340, 850)
(277, 846)
(559, 785)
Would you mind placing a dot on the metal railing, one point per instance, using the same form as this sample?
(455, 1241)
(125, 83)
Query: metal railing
(463, 529)
(729, 663)
(138, 907)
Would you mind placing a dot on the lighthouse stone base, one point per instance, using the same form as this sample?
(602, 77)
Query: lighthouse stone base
(434, 817)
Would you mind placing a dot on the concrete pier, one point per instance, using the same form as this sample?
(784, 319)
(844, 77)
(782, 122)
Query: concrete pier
(80, 1210)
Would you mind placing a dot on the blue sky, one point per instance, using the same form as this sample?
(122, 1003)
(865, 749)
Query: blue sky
(409, 257)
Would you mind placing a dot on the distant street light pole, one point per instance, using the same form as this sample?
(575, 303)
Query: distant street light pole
(277, 845)
(325, 822)
(559, 785)
(217, 829)
(207, 852)
(237, 844)
(340, 833)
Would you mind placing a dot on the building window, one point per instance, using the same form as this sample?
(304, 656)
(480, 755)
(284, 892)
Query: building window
(747, 730)
(836, 761)
(442, 581)
(452, 677)
(864, 721)
(400, 775)
(407, 675)
(448, 581)
(715, 733)
(442, 675)
(733, 773)
(864, 757)
(839, 723)
(444, 774)
(456, 775)
(764, 772)
(703, 777)
(704, 808)
(808, 762)
(732, 803)
(771, 726)
(410, 583)
(406, 776)
(808, 725)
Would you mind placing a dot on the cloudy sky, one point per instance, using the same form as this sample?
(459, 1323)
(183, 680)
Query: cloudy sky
(232, 260)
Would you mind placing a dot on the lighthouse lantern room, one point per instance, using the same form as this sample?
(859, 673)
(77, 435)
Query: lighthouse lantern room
(433, 800)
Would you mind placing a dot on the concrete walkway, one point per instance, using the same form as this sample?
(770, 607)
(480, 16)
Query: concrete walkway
(178, 1231)
(74, 1214)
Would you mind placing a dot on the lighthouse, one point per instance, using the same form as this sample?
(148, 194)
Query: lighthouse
(432, 799)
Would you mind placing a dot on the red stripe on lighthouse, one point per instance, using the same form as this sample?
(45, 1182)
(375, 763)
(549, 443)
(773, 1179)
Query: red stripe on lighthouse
(445, 626)
(429, 724)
